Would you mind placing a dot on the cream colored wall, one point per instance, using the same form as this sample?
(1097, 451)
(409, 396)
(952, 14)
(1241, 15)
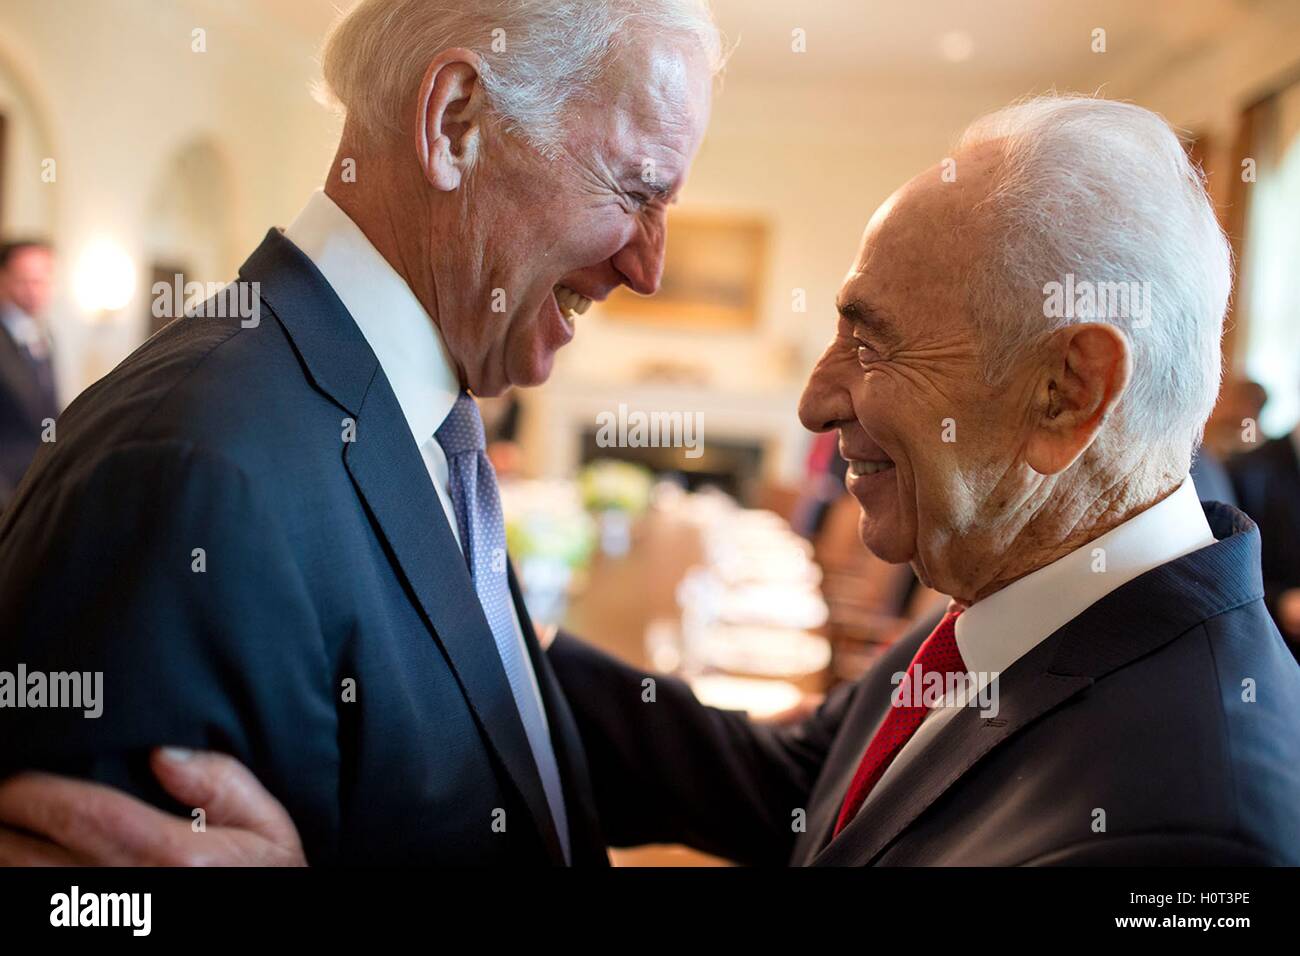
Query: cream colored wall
(1206, 91)
(122, 93)
(27, 211)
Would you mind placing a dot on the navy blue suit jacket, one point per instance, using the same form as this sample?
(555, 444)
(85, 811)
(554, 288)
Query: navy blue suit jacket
(1160, 726)
(24, 405)
(325, 561)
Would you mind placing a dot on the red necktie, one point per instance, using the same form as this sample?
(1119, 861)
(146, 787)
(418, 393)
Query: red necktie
(939, 654)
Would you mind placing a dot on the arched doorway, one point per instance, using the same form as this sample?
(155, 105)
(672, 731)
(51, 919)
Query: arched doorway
(189, 222)
(26, 201)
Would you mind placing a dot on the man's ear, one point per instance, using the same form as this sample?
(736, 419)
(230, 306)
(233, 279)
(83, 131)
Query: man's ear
(450, 109)
(1088, 367)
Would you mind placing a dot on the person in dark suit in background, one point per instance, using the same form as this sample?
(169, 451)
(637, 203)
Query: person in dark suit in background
(1233, 427)
(1211, 478)
(28, 399)
(273, 529)
(1267, 482)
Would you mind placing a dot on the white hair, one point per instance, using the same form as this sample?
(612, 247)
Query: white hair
(539, 55)
(1104, 192)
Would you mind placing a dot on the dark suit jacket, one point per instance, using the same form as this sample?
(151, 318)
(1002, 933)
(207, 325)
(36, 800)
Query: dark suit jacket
(325, 560)
(23, 407)
(1267, 482)
(1135, 708)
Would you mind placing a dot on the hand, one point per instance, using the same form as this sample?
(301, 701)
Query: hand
(71, 822)
(1288, 612)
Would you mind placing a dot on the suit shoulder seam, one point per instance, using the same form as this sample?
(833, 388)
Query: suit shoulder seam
(147, 417)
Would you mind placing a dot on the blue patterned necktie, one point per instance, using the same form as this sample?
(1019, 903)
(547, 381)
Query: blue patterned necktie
(472, 485)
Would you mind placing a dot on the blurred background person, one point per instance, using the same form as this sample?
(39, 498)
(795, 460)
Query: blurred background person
(28, 399)
(1211, 478)
(1233, 428)
(823, 485)
(1267, 482)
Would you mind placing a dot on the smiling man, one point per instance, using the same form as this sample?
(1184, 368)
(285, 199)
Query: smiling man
(1032, 462)
(279, 537)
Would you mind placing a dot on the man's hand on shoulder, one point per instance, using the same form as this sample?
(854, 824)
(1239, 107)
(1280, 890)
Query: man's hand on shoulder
(47, 820)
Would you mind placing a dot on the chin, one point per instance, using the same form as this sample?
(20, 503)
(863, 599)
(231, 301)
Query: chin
(534, 370)
(883, 538)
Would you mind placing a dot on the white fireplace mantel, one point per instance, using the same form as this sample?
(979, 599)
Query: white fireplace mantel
(558, 415)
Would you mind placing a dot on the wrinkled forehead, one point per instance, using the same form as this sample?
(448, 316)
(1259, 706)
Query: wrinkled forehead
(921, 240)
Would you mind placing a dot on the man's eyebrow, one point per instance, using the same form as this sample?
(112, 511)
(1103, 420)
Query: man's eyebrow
(869, 318)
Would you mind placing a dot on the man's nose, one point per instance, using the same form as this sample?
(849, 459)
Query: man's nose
(825, 402)
(641, 261)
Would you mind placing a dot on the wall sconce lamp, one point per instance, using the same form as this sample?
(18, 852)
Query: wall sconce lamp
(104, 280)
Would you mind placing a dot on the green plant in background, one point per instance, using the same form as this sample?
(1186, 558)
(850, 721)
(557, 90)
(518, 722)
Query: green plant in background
(610, 485)
(564, 537)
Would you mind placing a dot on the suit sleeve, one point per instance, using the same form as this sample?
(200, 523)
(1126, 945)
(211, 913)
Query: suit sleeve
(159, 574)
(667, 769)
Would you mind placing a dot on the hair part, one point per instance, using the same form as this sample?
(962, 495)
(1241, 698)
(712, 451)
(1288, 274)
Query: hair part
(539, 56)
(1104, 192)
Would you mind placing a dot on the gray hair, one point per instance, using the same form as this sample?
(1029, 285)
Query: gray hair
(1103, 192)
(539, 55)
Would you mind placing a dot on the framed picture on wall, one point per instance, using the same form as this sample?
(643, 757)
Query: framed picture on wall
(714, 270)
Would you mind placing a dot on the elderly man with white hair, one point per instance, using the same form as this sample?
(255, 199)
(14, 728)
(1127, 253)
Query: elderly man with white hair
(277, 535)
(1026, 351)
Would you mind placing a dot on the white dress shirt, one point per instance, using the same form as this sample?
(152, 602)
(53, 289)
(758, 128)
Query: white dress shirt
(994, 633)
(404, 339)
(24, 330)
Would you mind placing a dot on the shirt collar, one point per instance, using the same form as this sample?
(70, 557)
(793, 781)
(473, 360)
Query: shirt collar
(404, 338)
(994, 633)
(22, 328)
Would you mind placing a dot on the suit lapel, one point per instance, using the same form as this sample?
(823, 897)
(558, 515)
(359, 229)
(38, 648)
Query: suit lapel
(859, 725)
(1026, 692)
(17, 371)
(1134, 620)
(391, 478)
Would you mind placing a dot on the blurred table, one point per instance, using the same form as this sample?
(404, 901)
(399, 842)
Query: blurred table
(622, 596)
(625, 594)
